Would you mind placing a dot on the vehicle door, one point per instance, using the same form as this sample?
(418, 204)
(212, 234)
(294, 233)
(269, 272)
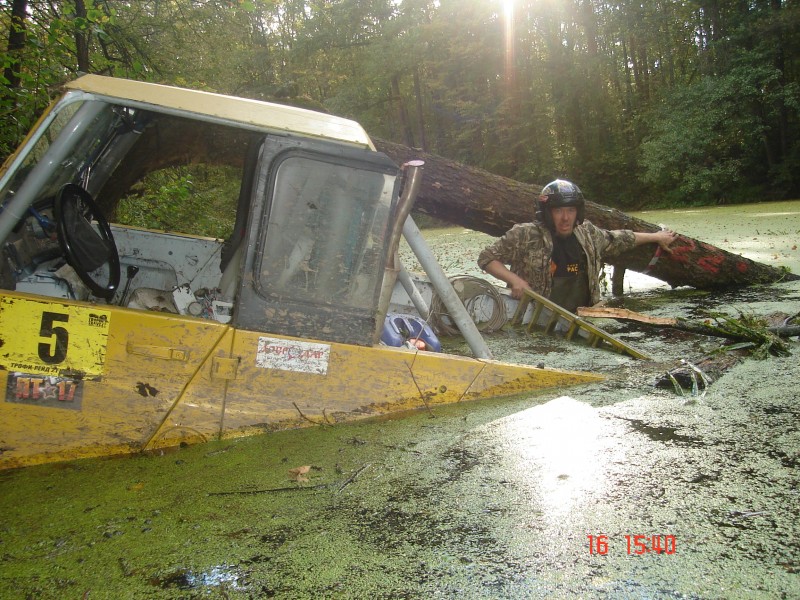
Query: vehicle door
(311, 278)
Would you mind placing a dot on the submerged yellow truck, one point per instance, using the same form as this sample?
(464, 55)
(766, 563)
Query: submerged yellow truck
(117, 339)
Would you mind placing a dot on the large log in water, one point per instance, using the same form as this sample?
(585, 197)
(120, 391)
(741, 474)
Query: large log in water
(479, 200)
(458, 194)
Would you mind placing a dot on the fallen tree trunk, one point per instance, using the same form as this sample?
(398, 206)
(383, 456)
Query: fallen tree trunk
(479, 200)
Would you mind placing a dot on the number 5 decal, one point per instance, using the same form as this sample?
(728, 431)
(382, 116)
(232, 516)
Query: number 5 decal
(53, 338)
(53, 351)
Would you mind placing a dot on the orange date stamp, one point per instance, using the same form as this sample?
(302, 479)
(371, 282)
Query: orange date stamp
(636, 544)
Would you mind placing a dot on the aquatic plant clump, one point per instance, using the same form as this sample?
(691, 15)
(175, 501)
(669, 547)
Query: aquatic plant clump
(753, 331)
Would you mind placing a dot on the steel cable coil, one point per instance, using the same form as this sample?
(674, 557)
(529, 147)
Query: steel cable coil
(483, 302)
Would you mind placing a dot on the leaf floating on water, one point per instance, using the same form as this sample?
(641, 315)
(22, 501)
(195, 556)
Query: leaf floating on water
(300, 474)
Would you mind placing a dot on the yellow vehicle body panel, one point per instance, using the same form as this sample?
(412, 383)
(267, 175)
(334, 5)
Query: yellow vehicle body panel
(368, 381)
(152, 361)
(168, 379)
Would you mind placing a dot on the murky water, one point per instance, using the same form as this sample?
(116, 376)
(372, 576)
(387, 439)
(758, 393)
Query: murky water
(492, 499)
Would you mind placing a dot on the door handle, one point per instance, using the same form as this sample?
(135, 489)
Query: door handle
(163, 352)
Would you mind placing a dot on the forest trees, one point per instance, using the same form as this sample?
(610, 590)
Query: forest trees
(722, 136)
(641, 103)
(47, 44)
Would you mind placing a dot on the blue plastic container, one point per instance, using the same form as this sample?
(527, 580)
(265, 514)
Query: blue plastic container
(399, 328)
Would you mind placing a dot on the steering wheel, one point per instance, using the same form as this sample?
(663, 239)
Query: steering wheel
(86, 240)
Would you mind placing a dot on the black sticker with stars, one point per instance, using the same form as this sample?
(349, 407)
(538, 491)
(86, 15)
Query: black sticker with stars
(44, 390)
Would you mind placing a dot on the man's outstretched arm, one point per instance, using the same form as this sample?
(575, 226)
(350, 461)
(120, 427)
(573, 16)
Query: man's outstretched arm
(517, 284)
(663, 238)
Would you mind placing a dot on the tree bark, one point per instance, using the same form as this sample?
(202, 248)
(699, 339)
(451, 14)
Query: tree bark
(458, 194)
(82, 38)
(17, 33)
(479, 200)
(402, 113)
(423, 142)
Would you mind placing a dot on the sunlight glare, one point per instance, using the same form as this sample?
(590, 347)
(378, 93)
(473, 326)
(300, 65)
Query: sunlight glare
(508, 10)
(508, 19)
(562, 453)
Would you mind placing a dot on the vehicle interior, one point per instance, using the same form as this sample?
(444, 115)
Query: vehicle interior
(66, 247)
(105, 182)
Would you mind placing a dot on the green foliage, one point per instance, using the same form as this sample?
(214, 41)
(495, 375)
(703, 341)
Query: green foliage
(199, 200)
(19, 109)
(654, 100)
(753, 331)
(48, 58)
(707, 138)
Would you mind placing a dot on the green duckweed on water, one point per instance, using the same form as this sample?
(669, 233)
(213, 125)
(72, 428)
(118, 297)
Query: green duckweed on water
(490, 499)
(484, 500)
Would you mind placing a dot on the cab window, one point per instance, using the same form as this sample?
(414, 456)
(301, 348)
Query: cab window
(325, 234)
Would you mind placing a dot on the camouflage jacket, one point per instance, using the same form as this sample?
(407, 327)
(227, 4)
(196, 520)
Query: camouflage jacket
(527, 247)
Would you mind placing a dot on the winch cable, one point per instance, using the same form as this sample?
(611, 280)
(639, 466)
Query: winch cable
(473, 293)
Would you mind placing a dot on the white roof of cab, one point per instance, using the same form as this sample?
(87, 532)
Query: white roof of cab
(266, 115)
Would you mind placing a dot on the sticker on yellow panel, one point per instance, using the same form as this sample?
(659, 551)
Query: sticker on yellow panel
(54, 339)
(44, 390)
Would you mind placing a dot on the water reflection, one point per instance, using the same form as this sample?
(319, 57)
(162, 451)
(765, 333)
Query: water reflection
(221, 576)
(563, 453)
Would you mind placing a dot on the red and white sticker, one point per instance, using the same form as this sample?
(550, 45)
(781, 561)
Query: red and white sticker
(293, 355)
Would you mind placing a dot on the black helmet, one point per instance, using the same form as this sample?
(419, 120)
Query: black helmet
(556, 194)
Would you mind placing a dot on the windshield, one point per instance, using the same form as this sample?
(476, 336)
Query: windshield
(39, 150)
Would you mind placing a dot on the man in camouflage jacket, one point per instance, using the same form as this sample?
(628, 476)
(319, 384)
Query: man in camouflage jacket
(528, 249)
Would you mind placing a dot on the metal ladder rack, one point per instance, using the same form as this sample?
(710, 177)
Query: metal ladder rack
(549, 317)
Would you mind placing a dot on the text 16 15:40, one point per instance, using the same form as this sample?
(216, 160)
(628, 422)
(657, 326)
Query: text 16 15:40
(636, 544)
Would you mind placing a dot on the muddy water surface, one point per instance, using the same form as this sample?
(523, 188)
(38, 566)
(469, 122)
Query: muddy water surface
(493, 499)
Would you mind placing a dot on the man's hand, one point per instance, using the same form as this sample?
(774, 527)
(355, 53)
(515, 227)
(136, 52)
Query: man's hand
(663, 238)
(516, 283)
